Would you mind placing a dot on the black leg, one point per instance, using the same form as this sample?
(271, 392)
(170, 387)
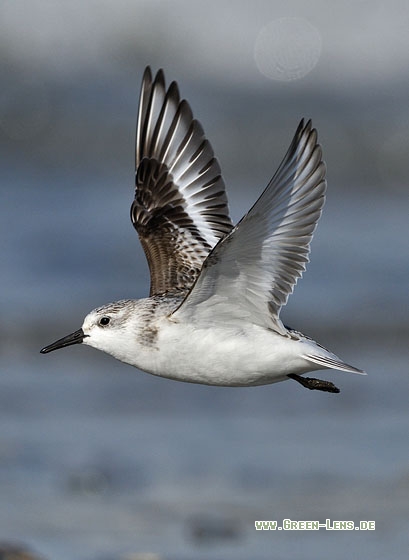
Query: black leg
(314, 384)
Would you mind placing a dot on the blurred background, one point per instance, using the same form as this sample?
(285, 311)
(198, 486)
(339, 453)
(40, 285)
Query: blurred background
(99, 461)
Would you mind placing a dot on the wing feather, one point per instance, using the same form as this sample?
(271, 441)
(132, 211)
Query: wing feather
(180, 209)
(251, 272)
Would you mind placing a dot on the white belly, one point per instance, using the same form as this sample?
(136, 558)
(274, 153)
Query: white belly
(230, 356)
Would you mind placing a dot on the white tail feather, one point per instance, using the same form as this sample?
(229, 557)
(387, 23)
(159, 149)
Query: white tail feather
(333, 363)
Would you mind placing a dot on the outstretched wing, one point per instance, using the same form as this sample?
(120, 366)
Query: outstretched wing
(180, 209)
(251, 272)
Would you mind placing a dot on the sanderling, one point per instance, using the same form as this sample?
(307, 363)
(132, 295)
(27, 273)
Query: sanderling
(213, 312)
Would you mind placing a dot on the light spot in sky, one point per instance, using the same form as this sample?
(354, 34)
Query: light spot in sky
(287, 49)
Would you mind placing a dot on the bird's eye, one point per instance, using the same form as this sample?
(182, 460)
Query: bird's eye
(104, 321)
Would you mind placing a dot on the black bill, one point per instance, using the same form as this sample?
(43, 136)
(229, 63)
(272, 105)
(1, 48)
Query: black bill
(74, 338)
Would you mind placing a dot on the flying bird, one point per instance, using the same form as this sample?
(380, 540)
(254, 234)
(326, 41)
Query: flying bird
(216, 292)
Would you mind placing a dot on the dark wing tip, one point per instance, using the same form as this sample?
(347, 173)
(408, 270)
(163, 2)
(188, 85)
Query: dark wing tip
(173, 92)
(300, 127)
(147, 75)
(159, 78)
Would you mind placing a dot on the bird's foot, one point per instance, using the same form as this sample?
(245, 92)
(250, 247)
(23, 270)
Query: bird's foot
(314, 384)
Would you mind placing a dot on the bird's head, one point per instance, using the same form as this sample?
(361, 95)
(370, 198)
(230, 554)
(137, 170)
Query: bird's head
(106, 328)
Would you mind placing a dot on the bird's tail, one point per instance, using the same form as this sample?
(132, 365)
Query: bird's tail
(332, 363)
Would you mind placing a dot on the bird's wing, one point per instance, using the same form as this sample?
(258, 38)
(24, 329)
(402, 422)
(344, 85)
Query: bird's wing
(250, 273)
(180, 209)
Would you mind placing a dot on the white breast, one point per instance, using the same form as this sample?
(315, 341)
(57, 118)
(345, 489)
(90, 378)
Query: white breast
(221, 356)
